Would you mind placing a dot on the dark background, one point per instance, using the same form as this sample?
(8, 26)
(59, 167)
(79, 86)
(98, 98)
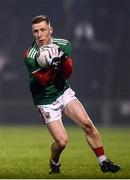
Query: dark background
(99, 31)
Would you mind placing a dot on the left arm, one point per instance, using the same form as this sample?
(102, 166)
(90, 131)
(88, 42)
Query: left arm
(66, 67)
(61, 61)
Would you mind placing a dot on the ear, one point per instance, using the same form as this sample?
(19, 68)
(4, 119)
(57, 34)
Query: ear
(51, 30)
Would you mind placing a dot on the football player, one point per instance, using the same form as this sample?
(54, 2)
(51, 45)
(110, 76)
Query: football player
(52, 95)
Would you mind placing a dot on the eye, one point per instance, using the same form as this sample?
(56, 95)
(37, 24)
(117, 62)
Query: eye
(43, 29)
(35, 31)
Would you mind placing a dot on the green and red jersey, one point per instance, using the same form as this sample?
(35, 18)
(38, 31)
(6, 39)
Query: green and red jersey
(42, 94)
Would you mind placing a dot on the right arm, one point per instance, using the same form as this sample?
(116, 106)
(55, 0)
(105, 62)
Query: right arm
(44, 76)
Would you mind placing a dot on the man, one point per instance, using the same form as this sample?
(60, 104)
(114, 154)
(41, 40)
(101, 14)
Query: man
(53, 96)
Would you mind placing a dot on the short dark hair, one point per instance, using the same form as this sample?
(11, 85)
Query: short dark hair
(40, 18)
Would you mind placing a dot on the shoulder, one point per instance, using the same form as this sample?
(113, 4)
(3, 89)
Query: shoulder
(64, 44)
(60, 41)
(31, 51)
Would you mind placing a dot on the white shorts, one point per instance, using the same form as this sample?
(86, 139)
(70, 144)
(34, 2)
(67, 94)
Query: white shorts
(53, 112)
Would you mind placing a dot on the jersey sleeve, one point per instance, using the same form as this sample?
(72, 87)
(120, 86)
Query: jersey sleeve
(44, 76)
(67, 64)
(68, 49)
(67, 68)
(64, 45)
(30, 62)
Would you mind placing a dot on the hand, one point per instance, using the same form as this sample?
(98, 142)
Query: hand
(55, 63)
(54, 57)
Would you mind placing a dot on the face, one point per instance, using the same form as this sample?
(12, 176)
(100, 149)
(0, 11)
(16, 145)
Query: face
(42, 33)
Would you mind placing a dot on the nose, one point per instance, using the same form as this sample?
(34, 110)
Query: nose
(39, 33)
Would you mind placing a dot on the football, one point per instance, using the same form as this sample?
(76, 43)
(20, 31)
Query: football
(41, 57)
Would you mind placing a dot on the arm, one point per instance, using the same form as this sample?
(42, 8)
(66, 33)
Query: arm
(67, 67)
(60, 60)
(44, 76)
(67, 62)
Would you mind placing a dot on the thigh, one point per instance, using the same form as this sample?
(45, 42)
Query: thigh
(50, 112)
(68, 96)
(57, 130)
(76, 112)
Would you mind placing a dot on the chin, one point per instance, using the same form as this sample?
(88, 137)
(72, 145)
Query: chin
(41, 43)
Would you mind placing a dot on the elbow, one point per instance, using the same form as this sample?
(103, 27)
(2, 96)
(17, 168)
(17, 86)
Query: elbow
(67, 68)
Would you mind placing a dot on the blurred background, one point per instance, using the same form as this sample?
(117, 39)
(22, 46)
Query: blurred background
(99, 31)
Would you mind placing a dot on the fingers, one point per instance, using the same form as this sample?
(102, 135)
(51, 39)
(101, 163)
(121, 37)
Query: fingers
(60, 53)
(50, 54)
(53, 52)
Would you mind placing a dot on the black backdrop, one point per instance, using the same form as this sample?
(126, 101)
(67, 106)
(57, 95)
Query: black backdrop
(100, 35)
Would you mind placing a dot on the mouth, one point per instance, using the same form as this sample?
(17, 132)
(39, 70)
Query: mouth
(41, 42)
